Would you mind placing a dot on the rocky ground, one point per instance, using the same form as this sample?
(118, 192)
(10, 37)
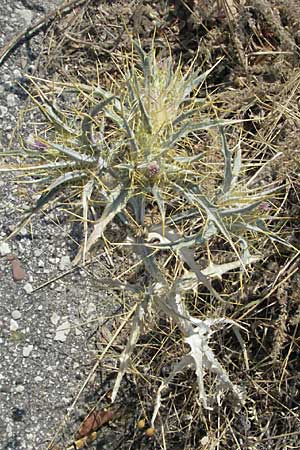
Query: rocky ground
(45, 352)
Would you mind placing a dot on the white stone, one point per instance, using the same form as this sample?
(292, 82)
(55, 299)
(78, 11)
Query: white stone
(11, 100)
(38, 379)
(4, 249)
(65, 263)
(19, 389)
(28, 288)
(3, 111)
(13, 325)
(62, 332)
(91, 308)
(55, 318)
(16, 315)
(27, 350)
(26, 15)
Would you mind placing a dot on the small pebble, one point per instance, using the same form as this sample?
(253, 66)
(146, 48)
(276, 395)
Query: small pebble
(11, 100)
(19, 389)
(18, 273)
(54, 318)
(91, 309)
(13, 325)
(25, 15)
(65, 263)
(4, 248)
(62, 331)
(38, 379)
(27, 350)
(16, 315)
(28, 288)
(3, 111)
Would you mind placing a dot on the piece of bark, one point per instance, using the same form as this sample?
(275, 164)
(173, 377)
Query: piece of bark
(18, 273)
(94, 421)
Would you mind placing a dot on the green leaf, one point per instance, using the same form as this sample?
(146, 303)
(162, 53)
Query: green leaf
(53, 114)
(117, 201)
(211, 212)
(240, 210)
(188, 159)
(160, 203)
(88, 120)
(132, 140)
(187, 256)
(75, 156)
(54, 165)
(228, 176)
(66, 178)
(190, 127)
(145, 116)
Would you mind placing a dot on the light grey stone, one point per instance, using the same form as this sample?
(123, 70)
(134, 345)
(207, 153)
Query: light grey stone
(65, 263)
(11, 100)
(62, 332)
(3, 111)
(28, 288)
(38, 379)
(27, 350)
(25, 15)
(90, 309)
(54, 318)
(16, 315)
(13, 325)
(4, 248)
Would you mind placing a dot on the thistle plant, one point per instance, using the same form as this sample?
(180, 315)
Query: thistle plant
(137, 147)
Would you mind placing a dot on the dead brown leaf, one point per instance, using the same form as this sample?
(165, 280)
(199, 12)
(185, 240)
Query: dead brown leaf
(94, 421)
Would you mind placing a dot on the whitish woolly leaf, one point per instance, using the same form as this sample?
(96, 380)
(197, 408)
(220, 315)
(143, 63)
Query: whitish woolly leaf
(184, 116)
(75, 156)
(146, 62)
(237, 165)
(144, 114)
(261, 228)
(86, 195)
(131, 137)
(188, 159)
(52, 190)
(117, 201)
(187, 256)
(192, 82)
(190, 127)
(228, 162)
(211, 211)
(136, 329)
(64, 179)
(53, 114)
(88, 120)
(197, 334)
(214, 271)
(160, 203)
(240, 210)
(54, 165)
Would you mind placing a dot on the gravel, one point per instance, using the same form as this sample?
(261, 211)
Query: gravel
(45, 352)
